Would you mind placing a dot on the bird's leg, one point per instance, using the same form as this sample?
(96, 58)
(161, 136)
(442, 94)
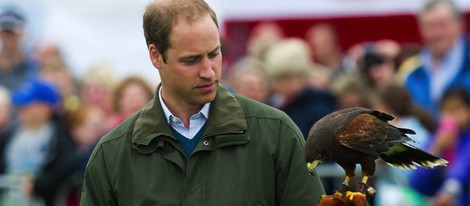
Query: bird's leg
(368, 169)
(364, 188)
(344, 187)
(349, 170)
(363, 184)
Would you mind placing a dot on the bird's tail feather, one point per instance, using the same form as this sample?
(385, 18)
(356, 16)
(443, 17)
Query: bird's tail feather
(405, 156)
(406, 131)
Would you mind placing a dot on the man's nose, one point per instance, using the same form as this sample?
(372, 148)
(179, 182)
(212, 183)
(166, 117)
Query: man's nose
(206, 71)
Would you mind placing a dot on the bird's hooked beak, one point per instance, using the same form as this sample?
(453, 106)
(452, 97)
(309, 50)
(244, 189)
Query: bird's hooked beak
(311, 167)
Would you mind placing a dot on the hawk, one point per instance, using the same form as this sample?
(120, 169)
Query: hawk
(360, 136)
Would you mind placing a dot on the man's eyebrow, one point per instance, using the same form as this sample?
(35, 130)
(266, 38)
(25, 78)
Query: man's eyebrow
(215, 50)
(197, 55)
(189, 57)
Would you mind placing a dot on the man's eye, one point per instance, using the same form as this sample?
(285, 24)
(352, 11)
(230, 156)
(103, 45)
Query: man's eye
(190, 61)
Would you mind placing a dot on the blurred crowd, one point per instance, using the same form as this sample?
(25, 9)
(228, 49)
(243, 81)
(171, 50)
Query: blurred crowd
(425, 86)
(50, 120)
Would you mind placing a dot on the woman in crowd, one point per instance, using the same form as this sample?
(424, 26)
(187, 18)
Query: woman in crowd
(449, 185)
(129, 96)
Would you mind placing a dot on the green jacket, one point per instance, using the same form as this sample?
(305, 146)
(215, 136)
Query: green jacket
(250, 154)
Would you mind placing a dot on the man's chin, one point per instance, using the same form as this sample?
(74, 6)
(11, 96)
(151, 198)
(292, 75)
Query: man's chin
(205, 98)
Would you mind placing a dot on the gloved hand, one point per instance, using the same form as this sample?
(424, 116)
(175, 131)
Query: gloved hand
(350, 199)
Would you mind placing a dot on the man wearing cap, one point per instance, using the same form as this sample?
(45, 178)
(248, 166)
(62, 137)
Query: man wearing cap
(38, 149)
(15, 67)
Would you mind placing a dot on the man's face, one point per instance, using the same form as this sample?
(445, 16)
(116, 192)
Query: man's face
(439, 29)
(10, 39)
(194, 60)
(34, 114)
(323, 43)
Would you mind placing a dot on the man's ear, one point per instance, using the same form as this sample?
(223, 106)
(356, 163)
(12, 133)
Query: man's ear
(155, 56)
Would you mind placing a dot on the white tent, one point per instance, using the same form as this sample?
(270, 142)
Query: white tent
(91, 31)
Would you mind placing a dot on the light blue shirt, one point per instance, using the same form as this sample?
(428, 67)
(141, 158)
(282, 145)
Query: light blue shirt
(196, 121)
(27, 151)
(441, 75)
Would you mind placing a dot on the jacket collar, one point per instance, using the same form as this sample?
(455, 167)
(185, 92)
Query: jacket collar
(225, 116)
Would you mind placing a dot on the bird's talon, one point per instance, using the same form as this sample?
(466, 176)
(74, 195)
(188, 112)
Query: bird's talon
(338, 194)
(352, 194)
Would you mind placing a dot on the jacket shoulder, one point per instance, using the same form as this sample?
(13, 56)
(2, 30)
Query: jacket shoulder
(121, 131)
(260, 111)
(407, 68)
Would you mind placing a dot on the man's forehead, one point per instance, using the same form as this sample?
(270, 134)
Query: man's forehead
(441, 9)
(182, 25)
(187, 19)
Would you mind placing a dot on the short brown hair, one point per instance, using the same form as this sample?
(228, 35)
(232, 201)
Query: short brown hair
(397, 98)
(161, 16)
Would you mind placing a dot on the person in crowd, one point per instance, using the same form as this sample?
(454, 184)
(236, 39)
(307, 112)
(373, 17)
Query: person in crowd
(377, 66)
(38, 150)
(320, 78)
(262, 36)
(56, 71)
(408, 51)
(86, 126)
(15, 66)
(97, 88)
(196, 143)
(324, 41)
(46, 51)
(129, 96)
(451, 141)
(393, 187)
(395, 99)
(389, 49)
(289, 65)
(249, 79)
(352, 91)
(53, 68)
(445, 60)
(5, 110)
(408, 57)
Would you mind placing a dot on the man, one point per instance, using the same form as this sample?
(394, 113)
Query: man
(445, 61)
(15, 67)
(324, 42)
(195, 143)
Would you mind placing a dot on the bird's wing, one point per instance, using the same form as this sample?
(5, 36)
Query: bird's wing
(366, 133)
(381, 115)
(386, 117)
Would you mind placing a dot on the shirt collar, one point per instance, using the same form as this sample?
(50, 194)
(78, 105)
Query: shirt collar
(204, 111)
(453, 57)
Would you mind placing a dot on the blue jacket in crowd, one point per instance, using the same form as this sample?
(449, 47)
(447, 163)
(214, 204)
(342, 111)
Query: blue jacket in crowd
(430, 181)
(418, 82)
